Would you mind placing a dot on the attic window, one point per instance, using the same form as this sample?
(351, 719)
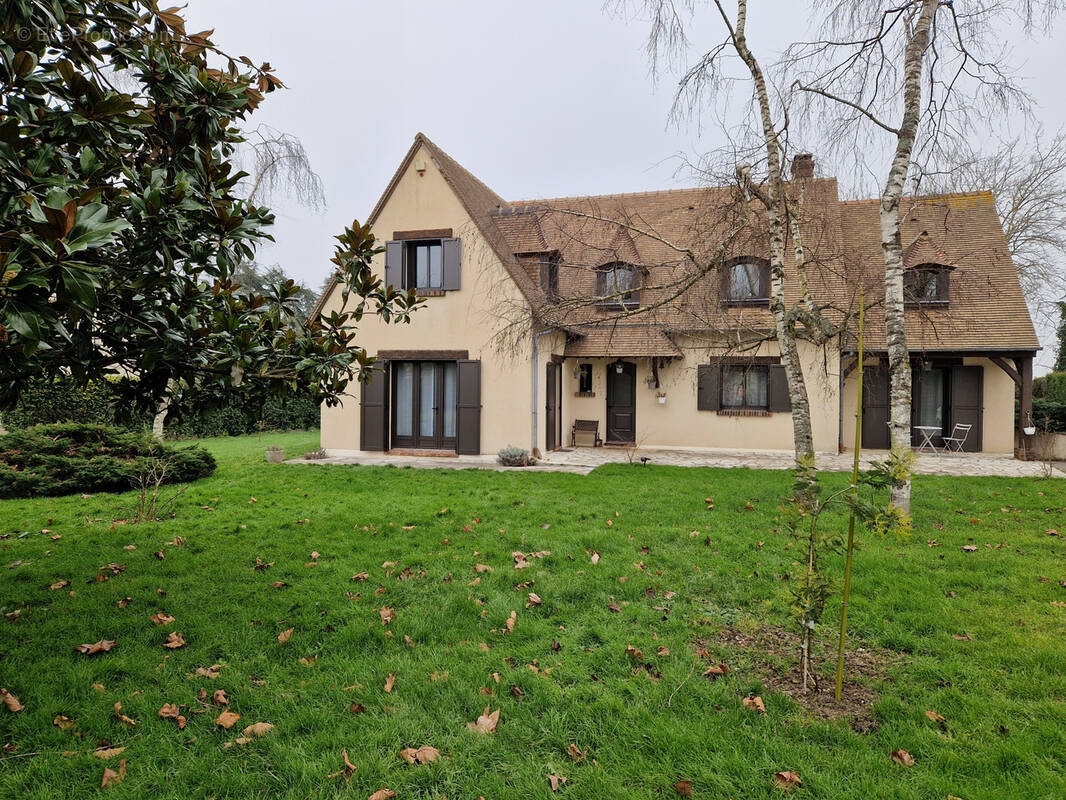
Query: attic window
(617, 284)
(926, 284)
(747, 281)
(549, 276)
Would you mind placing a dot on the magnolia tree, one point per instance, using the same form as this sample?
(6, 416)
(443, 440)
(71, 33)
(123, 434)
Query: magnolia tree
(122, 222)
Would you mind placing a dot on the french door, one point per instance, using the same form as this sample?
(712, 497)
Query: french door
(424, 409)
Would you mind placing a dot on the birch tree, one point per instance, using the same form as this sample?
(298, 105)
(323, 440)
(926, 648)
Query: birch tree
(926, 74)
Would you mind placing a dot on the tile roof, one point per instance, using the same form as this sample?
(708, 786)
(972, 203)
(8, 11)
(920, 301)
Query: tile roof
(621, 341)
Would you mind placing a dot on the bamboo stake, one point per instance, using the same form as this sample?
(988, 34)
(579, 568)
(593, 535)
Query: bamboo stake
(851, 518)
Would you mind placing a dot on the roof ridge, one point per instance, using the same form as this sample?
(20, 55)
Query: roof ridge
(619, 195)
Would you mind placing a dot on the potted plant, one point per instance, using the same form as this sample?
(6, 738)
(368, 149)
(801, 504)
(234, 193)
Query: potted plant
(660, 396)
(275, 454)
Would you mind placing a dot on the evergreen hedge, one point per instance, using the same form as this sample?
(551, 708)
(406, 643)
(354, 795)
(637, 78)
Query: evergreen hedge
(73, 458)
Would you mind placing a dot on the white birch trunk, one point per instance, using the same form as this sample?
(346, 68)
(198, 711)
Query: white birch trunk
(892, 245)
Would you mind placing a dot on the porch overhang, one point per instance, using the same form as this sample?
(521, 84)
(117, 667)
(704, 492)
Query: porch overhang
(620, 341)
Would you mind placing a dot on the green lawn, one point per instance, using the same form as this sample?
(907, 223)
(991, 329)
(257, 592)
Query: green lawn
(1002, 690)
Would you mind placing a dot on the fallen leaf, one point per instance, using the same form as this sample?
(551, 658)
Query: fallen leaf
(480, 568)
(101, 646)
(258, 729)
(969, 548)
(787, 780)
(227, 719)
(98, 687)
(420, 755)
(349, 768)
(111, 777)
(314, 555)
(285, 635)
(219, 698)
(634, 653)
(125, 601)
(683, 788)
(617, 609)
(59, 585)
(962, 637)
(555, 781)
(361, 576)
(209, 672)
(387, 615)
(595, 557)
(108, 752)
(356, 708)
(755, 704)
(122, 717)
(63, 723)
(662, 650)
(174, 641)
(486, 722)
(576, 753)
(12, 702)
(383, 793)
(716, 671)
(534, 599)
(279, 585)
(935, 717)
(390, 682)
(161, 619)
(903, 758)
(309, 661)
(511, 620)
(171, 711)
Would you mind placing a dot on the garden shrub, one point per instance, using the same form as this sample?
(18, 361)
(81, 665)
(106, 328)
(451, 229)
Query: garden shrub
(72, 458)
(1049, 414)
(43, 402)
(1055, 386)
(511, 456)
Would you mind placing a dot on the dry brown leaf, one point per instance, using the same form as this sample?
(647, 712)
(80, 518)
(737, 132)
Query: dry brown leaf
(111, 777)
(227, 719)
(935, 717)
(258, 729)
(219, 697)
(63, 723)
(420, 755)
(486, 722)
(98, 687)
(390, 682)
(662, 650)
(101, 646)
(174, 641)
(122, 717)
(683, 788)
(534, 599)
(59, 585)
(716, 671)
(617, 609)
(349, 767)
(356, 708)
(125, 601)
(634, 653)
(480, 568)
(755, 704)
(903, 758)
(11, 702)
(387, 615)
(360, 576)
(595, 557)
(384, 793)
(309, 661)
(969, 548)
(511, 620)
(108, 752)
(787, 780)
(576, 753)
(209, 672)
(285, 635)
(555, 781)
(161, 619)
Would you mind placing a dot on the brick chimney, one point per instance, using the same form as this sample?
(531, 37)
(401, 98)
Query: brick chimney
(803, 166)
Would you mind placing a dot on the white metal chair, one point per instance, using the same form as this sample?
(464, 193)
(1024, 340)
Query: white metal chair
(954, 443)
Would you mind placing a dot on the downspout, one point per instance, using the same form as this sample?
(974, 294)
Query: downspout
(536, 376)
(840, 403)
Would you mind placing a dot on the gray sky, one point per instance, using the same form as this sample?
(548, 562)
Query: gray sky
(544, 99)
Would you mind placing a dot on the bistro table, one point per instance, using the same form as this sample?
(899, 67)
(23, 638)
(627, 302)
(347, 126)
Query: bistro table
(928, 432)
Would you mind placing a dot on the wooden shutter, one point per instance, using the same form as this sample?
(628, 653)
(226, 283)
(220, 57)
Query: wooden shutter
(468, 440)
(875, 433)
(394, 264)
(374, 410)
(967, 404)
(778, 389)
(452, 260)
(708, 391)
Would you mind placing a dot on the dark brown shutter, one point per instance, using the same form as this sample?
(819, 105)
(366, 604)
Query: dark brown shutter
(966, 404)
(708, 381)
(394, 264)
(943, 285)
(452, 260)
(875, 433)
(374, 410)
(468, 441)
(778, 390)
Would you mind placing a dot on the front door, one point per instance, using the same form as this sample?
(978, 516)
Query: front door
(553, 397)
(424, 404)
(875, 433)
(621, 402)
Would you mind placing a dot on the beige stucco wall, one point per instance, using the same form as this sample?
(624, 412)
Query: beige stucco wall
(997, 421)
(466, 319)
(679, 423)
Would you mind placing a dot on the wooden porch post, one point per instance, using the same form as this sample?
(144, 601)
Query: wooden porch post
(1025, 370)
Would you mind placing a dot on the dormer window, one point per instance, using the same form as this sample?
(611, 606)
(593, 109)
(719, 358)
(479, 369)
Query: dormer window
(427, 261)
(926, 284)
(618, 284)
(746, 281)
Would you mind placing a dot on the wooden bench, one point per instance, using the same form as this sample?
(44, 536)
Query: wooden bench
(589, 427)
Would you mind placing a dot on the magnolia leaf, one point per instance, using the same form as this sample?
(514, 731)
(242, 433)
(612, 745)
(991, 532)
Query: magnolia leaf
(285, 635)
(420, 755)
(101, 646)
(227, 719)
(486, 722)
(111, 777)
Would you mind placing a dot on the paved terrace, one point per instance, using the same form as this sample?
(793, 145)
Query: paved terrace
(582, 460)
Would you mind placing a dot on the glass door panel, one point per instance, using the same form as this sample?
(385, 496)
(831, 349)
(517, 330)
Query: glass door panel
(427, 401)
(450, 403)
(405, 398)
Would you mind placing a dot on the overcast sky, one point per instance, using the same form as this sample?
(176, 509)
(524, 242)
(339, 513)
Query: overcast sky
(545, 99)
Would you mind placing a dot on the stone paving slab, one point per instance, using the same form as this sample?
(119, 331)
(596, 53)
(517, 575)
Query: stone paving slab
(582, 460)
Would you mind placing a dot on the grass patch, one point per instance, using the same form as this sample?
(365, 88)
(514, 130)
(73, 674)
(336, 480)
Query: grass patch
(1002, 689)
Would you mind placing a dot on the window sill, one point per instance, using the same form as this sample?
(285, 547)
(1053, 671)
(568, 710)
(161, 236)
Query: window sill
(584, 394)
(611, 305)
(756, 303)
(744, 412)
(430, 292)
